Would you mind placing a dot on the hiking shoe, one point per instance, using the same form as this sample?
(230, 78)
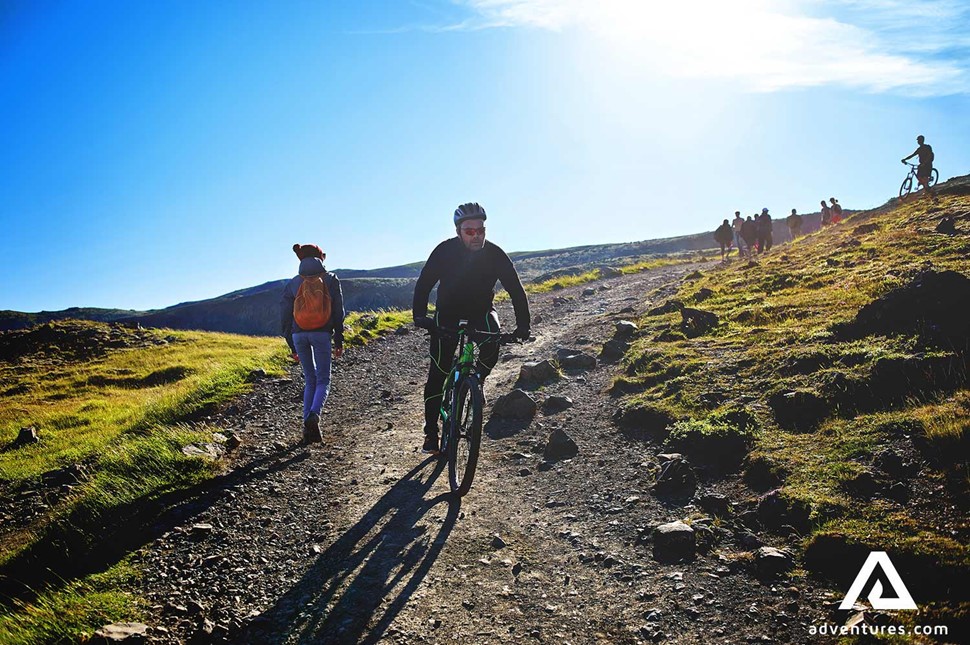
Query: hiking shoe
(311, 429)
(431, 443)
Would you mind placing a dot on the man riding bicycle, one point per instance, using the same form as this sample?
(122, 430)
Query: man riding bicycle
(466, 269)
(925, 168)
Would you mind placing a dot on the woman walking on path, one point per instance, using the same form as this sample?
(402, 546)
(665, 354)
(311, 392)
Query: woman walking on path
(312, 317)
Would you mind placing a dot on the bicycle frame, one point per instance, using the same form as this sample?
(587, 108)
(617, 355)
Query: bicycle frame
(462, 365)
(912, 183)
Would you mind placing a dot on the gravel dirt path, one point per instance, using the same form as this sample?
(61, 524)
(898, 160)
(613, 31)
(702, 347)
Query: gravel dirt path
(358, 540)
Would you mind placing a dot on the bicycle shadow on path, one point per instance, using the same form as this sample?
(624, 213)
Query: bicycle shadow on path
(359, 585)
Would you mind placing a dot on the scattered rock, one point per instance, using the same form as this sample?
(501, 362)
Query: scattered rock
(715, 504)
(121, 633)
(626, 329)
(232, 441)
(865, 229)
(498, 542)
(200, 530)
(578, 362)
(770, 562)
(556, 403)
(560, 446)
(517, 404)
(703, 294)
(673, 542)
(668, 307)
(696, 322)
(26, 437)
(533, 374)
(613, 350)
(589, 291)
(257, 375)
(676, 479)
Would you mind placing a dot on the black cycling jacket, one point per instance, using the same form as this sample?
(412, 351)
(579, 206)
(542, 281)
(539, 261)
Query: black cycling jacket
(467, 282)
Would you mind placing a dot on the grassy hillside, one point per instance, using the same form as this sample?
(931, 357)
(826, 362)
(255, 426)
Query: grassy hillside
(859, 417)
(108, 404)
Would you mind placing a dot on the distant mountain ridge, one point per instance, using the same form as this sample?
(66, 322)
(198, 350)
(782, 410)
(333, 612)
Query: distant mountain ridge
(255, 310)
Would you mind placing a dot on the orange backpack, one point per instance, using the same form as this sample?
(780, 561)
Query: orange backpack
(311, 308)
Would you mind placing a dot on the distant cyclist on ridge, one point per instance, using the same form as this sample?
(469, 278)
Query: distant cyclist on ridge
(925, 167)
(466, 268)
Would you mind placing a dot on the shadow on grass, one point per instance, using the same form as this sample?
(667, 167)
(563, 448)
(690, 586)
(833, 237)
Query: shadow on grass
(80, 545)
(361, 583)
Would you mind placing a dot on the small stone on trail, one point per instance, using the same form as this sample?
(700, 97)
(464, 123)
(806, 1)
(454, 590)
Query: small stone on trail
(560, 446)
(498, 542)
(121, 633)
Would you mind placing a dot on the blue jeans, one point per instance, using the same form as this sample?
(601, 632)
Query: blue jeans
(313, 348)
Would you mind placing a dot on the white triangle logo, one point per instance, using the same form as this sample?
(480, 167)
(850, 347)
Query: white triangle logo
(902, 600)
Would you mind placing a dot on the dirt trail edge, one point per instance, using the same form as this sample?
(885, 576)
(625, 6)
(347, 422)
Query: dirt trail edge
(358, 540)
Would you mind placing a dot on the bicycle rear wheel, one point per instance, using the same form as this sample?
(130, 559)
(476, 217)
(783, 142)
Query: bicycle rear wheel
(466, 434)
(906, 186)
(934, 177)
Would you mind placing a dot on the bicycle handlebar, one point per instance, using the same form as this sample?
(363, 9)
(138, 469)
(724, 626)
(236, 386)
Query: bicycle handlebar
(501, 338)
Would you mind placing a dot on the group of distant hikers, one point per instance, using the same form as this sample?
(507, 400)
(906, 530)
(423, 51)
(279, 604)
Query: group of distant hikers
(466, 269)
(754, 235)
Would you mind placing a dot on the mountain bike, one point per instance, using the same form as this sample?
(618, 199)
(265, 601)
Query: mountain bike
(461, 405)
(912, 183)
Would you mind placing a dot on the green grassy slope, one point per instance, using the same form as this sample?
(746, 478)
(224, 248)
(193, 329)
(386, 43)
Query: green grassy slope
(838, 418)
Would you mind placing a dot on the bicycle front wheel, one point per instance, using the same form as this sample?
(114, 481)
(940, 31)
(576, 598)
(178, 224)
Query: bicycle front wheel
(905, 187)
(466, 434)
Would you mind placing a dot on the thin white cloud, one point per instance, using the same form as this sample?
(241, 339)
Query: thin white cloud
(915, 47)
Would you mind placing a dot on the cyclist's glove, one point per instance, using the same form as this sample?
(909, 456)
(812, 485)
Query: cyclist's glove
(423, 322)
(522, 333)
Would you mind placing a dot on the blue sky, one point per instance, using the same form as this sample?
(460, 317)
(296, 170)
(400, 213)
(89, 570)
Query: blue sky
(159, 152)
